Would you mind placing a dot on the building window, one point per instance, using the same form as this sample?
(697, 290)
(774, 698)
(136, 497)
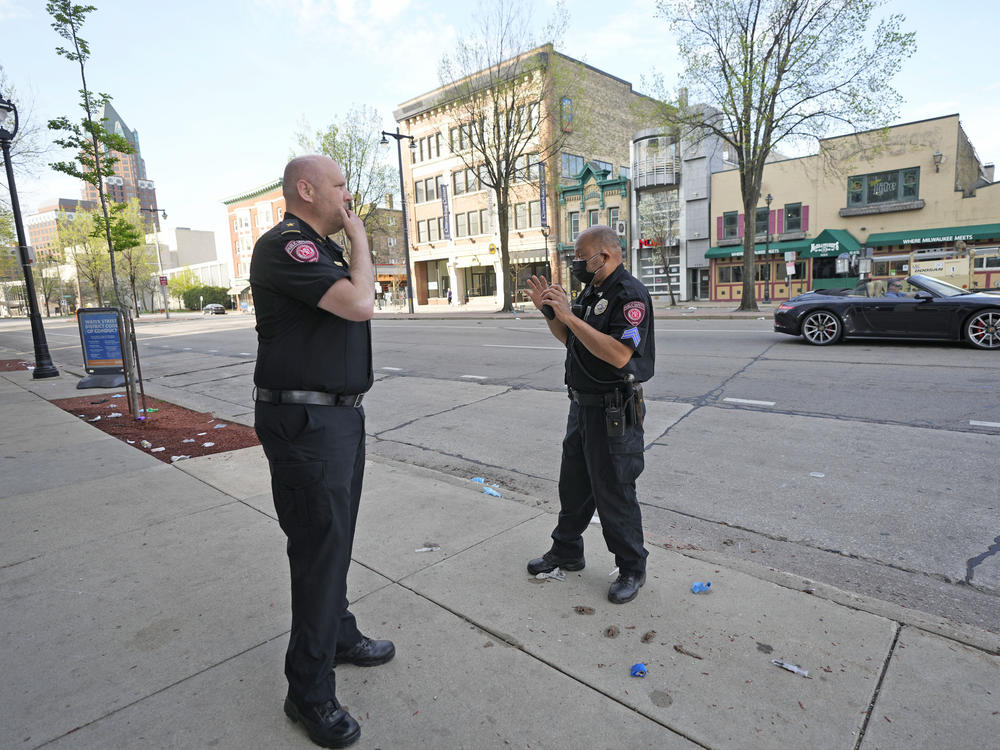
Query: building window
(566, 113)
(603, 165)
(458, 183)
(613, 218)
(430, 188)
(437, 144)
(730, 274)
(421, 231)
(883, 187)
(521, 216)
(480, 281)
(534, 213)
(418, 191)
(593, 217)
(572, 165)
(730, 225)
(625, 172)
(761, 220)
(461, 225)
(433, 229)
(574, 225)
(473, 222)
(485, 225)
(793, 217)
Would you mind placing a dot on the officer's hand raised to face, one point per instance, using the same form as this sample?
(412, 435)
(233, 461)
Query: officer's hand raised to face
(353, 226)
(536, 286)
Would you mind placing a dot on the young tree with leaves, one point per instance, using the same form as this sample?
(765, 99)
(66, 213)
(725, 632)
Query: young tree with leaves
(771, 71)
(88, 137)
(498, 91)
(87, 252)
(353, 142)
(184, 281)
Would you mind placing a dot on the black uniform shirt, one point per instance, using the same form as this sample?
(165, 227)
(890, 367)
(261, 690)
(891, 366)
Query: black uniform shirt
(299, 345)
(621, 308)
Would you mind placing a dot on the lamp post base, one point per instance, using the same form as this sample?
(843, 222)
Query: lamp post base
(45, 371)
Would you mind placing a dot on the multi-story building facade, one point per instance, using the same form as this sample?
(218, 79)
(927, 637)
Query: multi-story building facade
(250, 214)
(43, 226)
(455, 233)
(129, 179)
(911, 193)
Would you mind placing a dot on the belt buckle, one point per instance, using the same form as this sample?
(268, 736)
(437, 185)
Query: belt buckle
(357, 400)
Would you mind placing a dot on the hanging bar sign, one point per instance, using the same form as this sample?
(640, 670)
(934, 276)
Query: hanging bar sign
(445, 214)
(541, 192)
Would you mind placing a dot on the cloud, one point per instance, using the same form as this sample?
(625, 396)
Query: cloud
(10, 9)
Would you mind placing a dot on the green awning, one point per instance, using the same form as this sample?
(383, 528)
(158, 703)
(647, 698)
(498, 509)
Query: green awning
(832, 242)
(775, 248)
(940, 236)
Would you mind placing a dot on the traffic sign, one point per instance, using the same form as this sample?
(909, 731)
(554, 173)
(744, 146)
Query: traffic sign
(163, 281)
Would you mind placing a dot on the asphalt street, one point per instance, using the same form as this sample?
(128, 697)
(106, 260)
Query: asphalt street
(869, 466)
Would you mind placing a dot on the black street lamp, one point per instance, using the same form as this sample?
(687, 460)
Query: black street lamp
(43, 362)
(402, 202)
(159, 263)
(767, 252)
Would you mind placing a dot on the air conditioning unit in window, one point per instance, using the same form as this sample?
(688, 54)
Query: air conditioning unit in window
(620, 228)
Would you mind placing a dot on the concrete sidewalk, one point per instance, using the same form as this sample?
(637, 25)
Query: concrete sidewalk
(146, 605)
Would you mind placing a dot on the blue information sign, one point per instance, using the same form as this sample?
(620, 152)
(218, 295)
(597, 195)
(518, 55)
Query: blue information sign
(99, 334)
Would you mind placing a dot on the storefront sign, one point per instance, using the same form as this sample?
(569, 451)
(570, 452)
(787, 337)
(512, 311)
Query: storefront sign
(823, 249)
(944, 239)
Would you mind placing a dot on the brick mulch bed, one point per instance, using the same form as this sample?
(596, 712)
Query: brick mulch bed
(166, 428)
(6, 365)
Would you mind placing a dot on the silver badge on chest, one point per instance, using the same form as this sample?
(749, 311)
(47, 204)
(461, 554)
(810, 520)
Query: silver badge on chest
(600, 307)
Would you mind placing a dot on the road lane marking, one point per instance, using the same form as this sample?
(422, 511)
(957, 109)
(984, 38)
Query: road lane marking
(394, 369)
(976, 423)
(245, 354)
(475, 377)
(749, 402)
(514, 346)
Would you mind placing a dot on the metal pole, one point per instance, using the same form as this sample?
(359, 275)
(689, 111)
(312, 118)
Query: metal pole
(43, 361)
(402, 204)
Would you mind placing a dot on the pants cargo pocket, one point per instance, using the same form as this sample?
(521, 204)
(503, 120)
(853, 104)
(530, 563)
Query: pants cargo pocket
(627, 455)
(301, 497)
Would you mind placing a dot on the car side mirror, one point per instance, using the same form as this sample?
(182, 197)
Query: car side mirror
(923, 296)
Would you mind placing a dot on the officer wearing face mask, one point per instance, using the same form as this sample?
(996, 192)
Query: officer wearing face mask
(609, 352)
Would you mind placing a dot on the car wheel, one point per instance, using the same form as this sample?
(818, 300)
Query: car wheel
(821, 328)
(983, 329)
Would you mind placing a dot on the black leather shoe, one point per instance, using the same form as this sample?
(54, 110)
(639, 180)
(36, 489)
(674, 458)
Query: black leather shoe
(626, 588)
(367, 653)
(327, 724)
(549, 562)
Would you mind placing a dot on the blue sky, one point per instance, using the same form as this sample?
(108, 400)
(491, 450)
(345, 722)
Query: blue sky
(218, 89)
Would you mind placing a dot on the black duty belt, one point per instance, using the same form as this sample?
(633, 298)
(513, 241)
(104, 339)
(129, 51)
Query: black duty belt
(586, 399)
(316, 398)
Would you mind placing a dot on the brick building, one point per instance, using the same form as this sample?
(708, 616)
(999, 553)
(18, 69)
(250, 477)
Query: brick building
(586, 116)
(912, 194)
(42, 226)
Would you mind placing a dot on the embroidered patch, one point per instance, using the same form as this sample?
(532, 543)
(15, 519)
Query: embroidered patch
(632, 334)
(303, 251)
(635, 312)
(600, 307)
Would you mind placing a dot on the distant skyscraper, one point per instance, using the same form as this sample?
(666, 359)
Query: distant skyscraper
(130, 179)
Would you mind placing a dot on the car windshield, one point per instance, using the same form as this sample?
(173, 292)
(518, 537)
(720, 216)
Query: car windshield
(936, 286)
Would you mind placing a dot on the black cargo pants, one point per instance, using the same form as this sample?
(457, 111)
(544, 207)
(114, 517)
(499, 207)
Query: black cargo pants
(599, 472)
(317, 458)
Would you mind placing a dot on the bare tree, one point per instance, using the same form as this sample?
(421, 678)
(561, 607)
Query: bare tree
(499, 83)
(29, 146)
(659, 213)
(771, 71)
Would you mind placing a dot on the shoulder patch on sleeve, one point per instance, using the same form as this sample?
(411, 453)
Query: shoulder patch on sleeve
(632, 334)
(302, 251)
(635, 312)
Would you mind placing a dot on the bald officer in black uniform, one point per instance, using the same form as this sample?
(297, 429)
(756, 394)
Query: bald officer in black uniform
(314, 365)
(609, 352)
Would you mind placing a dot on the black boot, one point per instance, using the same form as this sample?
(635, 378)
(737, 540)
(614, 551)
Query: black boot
(550, 561)
(626, 588)
(327, 724)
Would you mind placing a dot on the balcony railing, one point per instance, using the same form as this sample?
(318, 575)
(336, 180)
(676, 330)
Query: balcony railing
(655, 171)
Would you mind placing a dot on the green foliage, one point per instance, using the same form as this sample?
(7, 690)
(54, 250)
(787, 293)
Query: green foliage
(9, 261)
(206, 295)
(769, 71)
(87, 252)
(183, 282)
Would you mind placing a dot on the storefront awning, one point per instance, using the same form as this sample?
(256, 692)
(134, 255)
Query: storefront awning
(832, 242)
(939, 236)
(472, 261)
(238, 287)
(776, 248)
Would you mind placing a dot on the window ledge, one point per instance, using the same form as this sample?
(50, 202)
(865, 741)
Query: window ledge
(883, 208)
(730, 241)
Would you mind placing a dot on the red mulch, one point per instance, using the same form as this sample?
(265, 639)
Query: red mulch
(166, 428)
(6, 365)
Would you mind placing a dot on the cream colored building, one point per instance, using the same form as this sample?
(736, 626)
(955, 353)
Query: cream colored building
(454, 240)
(915, 191)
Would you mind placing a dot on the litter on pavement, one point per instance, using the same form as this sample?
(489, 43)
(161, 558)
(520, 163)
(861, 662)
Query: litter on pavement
(145, 444)
(218, 427)
(157, 450)
(555, 575)
(490, 491)
(428, 547)
(817, 474)
(790, 667)
(207, 445)
(639, 670)
(698, 587)
(175, 459)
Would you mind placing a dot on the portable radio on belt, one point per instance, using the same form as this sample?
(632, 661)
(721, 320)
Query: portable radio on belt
(614, 414)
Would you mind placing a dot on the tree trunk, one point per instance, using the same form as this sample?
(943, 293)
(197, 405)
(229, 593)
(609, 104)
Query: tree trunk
(748, 300)
(503, 220)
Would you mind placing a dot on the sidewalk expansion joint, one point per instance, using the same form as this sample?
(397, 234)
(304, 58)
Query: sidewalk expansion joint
(439, 413)
(878, 686)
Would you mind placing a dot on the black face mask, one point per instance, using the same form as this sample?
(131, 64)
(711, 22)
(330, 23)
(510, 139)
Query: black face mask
(579, 270)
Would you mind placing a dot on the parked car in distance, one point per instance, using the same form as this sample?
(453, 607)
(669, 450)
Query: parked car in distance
(922, 308)
(213, 309)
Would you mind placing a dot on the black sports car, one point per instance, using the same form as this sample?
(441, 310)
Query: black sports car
(921, 307)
